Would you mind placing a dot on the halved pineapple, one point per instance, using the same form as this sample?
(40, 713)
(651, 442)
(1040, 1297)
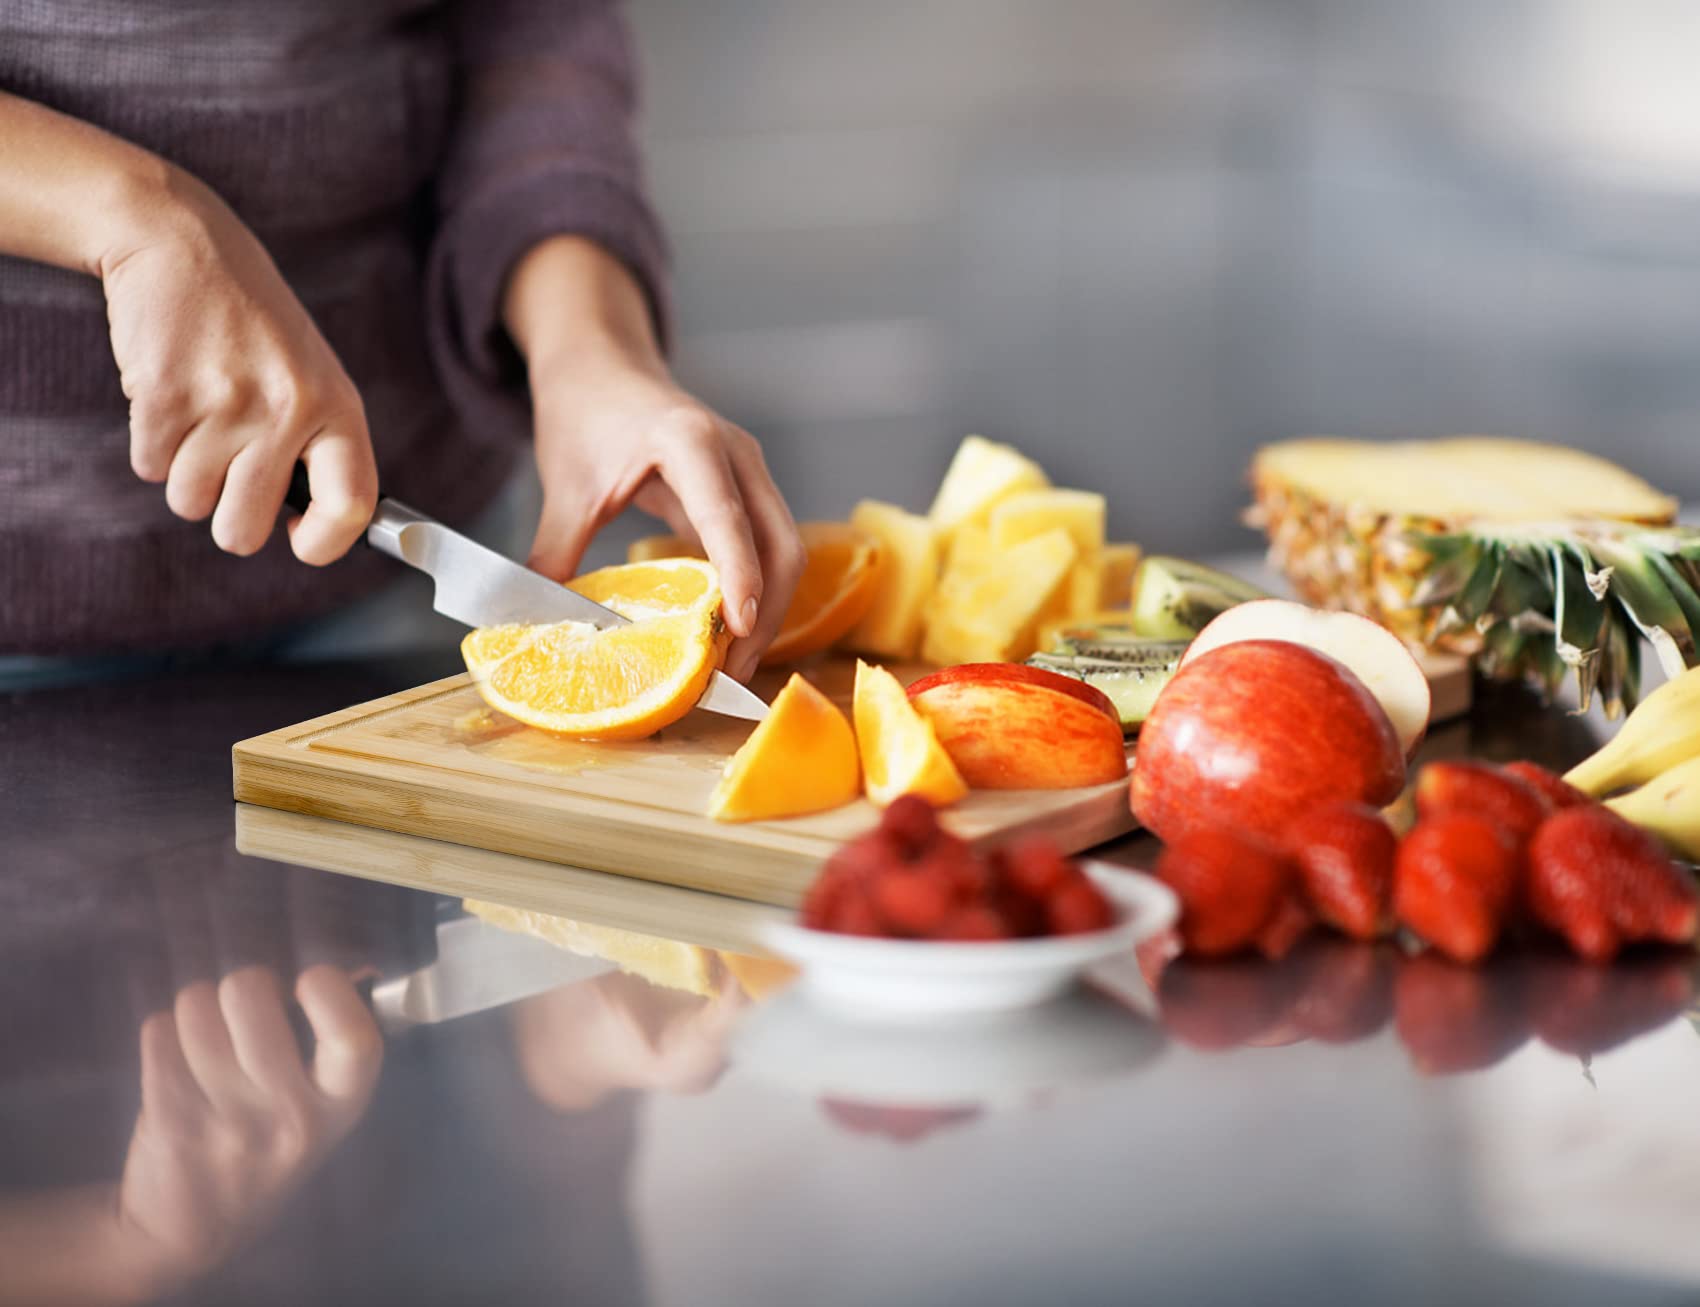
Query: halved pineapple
(1535, 559)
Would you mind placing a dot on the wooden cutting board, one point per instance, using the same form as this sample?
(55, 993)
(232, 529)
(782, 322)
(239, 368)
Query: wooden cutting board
(434, 761)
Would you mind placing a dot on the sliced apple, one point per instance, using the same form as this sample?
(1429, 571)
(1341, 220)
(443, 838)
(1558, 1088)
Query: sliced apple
(1009, 727)
(1375, 655)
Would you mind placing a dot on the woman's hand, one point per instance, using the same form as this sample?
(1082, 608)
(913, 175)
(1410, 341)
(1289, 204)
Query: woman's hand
(613, 429)
(230, 383)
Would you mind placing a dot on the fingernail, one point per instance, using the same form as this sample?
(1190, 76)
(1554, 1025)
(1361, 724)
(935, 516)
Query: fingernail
(748, 612)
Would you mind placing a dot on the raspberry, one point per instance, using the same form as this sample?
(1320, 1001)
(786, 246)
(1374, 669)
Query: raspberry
(1075, 907)
(912, 902)
(910, 822)
(1035, 867)
(975, 921)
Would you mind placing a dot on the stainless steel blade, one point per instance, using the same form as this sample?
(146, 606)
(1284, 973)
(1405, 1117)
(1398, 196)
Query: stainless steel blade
(479, 967)
(479, 587)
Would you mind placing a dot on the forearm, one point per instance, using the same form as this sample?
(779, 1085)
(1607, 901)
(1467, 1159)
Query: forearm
(69, 1247)
(72, 194)
(569, 302)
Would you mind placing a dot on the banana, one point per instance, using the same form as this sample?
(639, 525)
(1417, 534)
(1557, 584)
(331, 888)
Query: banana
(1664, 730)
(1668, 806)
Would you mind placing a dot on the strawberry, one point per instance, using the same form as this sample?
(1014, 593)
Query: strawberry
(1077, 906)
(912, 901)
(1585, 1010)
(1034, 867)
(1601, 882)
(1347, 993)
(1452, 1018)
(1457, 786)
(1229, 886)
(1287, 924)
(910, 822)
(1453, 883)
(1344, 855)
(974, 921)
(1558, 791)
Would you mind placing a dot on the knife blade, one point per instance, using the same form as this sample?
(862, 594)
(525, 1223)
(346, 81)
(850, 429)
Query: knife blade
(476, 586)
(478, 967)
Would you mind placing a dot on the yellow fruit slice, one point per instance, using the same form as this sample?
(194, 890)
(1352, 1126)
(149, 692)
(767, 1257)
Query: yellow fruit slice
(904, 578)
(982, 474)
(800, 758)
(991, 601)
(1120, 562)
(901, 753)
(656, 588)
(833, 593)
(619, 684)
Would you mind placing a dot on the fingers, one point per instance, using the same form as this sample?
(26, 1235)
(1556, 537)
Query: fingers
(563, 533)
(779, 547)
(169, 1092)
(208, 1052)
(254, 486)
(343, 479)
(349, 1050)
(260, 1034)
(696, 465)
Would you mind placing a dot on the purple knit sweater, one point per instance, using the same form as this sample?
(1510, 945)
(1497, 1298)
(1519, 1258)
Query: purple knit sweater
(396, 157)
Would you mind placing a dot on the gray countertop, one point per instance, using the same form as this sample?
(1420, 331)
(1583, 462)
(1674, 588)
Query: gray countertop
(612, 1141)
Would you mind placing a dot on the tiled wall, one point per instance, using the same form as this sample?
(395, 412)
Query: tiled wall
(1140, 236)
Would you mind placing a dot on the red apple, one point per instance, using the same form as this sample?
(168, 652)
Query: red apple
(1253, 734)
(1375, 655)
(1009, 727)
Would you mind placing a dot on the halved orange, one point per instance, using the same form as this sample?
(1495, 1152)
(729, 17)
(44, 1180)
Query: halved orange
(617, 684)
(800, 758)
(834, 593)
(650, 548)
(653, 588)
(901, 753)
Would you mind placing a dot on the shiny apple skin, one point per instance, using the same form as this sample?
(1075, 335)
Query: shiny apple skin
(1019, 733)
(1256, 732)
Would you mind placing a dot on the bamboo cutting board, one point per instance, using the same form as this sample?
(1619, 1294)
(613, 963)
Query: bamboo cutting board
(434, 761)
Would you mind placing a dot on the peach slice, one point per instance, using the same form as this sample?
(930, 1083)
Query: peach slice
(1011, 727)
(801, 758)
(901, 753)
(1374, 654)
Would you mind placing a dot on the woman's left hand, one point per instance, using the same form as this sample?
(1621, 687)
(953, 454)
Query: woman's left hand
(612, 429)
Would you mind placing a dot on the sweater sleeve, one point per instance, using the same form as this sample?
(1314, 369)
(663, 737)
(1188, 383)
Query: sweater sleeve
(541, 145)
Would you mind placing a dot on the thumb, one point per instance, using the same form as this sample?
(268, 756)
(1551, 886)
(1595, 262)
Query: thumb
(563, 534)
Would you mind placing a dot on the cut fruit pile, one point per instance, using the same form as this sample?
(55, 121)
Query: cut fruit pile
(618, 684)
(1536, 560)
(911, 879)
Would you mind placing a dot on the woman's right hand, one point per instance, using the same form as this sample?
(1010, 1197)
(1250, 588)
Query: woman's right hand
(229, 381)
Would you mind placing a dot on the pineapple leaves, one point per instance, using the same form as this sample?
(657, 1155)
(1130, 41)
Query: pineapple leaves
(1637, 585)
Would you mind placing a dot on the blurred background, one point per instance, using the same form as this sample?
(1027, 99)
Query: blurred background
(1139, 237)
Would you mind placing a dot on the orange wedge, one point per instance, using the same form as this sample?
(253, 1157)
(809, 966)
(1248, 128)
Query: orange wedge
(901, 753)
(619, 684)
(837, 588)
(650, 548)
(654, 588)
(800, 758)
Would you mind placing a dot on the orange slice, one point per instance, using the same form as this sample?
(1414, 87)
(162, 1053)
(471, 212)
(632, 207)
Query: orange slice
(901, 753)
(800, 758)
(619, 684)
(650, 548)
(652, 589)
(837, 588)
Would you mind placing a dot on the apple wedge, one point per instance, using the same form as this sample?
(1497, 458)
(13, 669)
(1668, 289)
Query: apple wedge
(1375, 655)
(1011, 727)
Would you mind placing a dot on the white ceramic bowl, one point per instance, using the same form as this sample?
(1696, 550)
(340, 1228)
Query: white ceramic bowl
(897, 979)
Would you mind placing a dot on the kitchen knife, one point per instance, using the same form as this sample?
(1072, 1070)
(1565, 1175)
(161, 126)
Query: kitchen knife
(478, 587)
(478, 967)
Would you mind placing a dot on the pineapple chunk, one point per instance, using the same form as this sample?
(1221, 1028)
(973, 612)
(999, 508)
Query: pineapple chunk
(1121, 561)
(982, 475)
(990, 601)
(907, 572)
(1079, 512)
(1033, 512)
